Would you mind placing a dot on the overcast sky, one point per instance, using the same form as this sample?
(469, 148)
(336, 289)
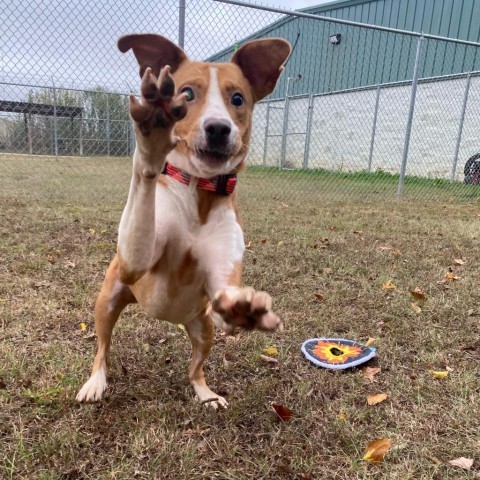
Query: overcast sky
(295, 4)
(73, 43)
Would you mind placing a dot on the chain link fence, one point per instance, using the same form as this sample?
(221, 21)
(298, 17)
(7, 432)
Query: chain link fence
(359, 113)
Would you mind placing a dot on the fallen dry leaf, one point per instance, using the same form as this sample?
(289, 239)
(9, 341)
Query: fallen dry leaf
(370, 341)
(70, 264)
(271, 351)
(376, 398)
(418, 293)
(267, 359)
(358, 232)
(416, 308)
(388, 285)
(263, 240)
(376, 450)
(370, 372)
(459, 261)
(451, 276)
(438, 374)
(284, 413)
(462, 462)
(319, 297)
(280, 243)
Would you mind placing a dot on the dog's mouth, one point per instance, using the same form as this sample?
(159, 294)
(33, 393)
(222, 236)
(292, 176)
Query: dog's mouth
(213, 156)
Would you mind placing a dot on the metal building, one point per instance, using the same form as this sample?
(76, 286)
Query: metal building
(331, 57)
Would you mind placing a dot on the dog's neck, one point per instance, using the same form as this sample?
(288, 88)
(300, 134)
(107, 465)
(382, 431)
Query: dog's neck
(219, 184)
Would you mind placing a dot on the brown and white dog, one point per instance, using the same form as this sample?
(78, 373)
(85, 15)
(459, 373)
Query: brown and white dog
(180, 244)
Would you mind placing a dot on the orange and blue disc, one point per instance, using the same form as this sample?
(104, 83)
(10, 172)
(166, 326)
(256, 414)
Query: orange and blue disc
(337, 353)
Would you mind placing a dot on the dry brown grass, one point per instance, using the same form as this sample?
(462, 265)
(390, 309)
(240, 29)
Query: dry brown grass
(53, 255)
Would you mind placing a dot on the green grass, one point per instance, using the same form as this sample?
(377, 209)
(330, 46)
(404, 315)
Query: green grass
(61, 179)
(57, 235)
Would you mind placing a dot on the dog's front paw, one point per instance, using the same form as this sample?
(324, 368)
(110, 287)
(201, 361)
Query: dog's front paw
(154, 116)
(158, 107)
(246, 308)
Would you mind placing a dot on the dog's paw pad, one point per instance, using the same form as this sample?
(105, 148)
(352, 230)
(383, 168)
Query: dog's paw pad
(246, 308)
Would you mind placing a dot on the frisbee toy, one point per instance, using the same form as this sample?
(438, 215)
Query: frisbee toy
(337, 353)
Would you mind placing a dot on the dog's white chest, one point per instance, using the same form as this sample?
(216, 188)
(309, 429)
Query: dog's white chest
(198, 259)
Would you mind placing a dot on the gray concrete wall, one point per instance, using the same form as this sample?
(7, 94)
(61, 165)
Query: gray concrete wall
(342, 129)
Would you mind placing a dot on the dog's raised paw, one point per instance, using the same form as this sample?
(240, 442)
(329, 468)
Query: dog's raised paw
(94, 387)
(158, 108)
(246, 308)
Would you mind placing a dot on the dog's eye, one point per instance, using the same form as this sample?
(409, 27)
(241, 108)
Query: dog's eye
(189, 92)
(237, 99)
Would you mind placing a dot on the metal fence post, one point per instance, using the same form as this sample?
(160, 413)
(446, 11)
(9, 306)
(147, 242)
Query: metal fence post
(265, 141)
(284, 133)
(460, 128)
(374, 129)
(308, 131)
(108, 127)
(181, 23)
(408, 131)
(80, 136)
(55, 133)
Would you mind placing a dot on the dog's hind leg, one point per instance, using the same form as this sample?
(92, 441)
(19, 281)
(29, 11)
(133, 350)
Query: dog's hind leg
(200, 330)
(114, 297)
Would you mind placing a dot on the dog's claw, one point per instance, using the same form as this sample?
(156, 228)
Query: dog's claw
(138, 111)
(148, 86)
(165, 83)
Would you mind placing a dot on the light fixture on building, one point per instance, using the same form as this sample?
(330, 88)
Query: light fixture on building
(298, 76)
(335, 39)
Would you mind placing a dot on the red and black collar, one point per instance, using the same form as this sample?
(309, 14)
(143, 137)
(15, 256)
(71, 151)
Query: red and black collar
(221, 184)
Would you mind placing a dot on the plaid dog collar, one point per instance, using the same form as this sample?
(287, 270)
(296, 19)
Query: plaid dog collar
(221, 184)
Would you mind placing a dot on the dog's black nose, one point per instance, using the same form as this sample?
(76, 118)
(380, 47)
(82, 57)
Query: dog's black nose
(217, 131)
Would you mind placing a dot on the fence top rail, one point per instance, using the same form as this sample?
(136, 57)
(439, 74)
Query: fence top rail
(51, 87)
(296, 13)
(400, 83)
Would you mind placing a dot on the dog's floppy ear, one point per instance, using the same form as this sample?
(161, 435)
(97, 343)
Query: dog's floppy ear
(261, 62)
(152, 51)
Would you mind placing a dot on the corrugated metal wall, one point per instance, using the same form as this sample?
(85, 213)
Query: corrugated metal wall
(367, 57)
